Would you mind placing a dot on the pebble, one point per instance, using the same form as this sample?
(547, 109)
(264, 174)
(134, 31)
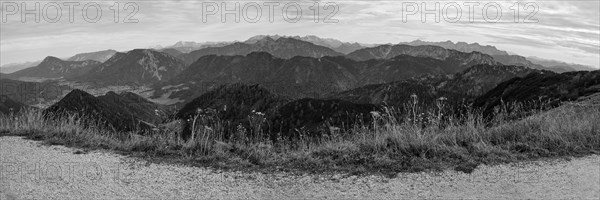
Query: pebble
(120, 177)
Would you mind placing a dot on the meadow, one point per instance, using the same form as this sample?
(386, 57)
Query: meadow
(416, 139)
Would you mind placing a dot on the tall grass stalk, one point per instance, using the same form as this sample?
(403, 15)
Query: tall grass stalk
(392, 142)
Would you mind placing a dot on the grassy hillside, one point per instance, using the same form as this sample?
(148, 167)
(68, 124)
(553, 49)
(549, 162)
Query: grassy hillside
(120, 112)
(388, 147)
(539, 91)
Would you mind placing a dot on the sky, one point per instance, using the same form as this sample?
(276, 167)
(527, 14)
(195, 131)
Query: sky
(568, 31)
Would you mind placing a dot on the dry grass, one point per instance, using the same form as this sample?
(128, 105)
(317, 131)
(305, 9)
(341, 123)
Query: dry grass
(397, 143)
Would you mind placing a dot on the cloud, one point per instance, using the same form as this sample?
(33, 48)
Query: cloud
(566, 30)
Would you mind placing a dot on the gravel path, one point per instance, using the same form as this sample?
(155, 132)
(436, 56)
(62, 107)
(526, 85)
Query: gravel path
(34, 171)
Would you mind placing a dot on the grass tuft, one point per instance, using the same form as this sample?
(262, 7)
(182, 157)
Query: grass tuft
(393, 143)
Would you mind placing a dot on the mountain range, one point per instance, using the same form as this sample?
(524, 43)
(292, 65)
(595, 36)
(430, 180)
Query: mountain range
(182, 49)
(300, 76)
(297, 82)
(499, 55)
(482, 86)
(187, 46)
(238, 105)
(136, 67)
(458, 88)
(506, 58)
(460, 46)
(336, 45)
(554, 64)
(282, 48)
(308, 46)
(459, 59)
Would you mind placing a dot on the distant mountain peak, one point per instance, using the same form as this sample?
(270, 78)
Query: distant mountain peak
(99, 56)
(79, 94)
(51, 59)
(189, 46)
(334, 44)
(257, 38)
(555, 64)
(502, 56)
(150, 53)
(281, 47)
(432, 51)
(182, 43)
(460, 46)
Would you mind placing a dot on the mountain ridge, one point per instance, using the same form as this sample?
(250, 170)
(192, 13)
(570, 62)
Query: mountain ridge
(539, 90)
(298, 77)
(52, 67)
(464, 60)
(282, 48)
(334, 44)
(549, 63)
(137, 67)
(504, 57)
(457, 88)
(461, 46)
(100, 56)
(122, 112)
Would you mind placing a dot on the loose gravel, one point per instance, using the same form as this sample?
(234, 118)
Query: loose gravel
(31, 170)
